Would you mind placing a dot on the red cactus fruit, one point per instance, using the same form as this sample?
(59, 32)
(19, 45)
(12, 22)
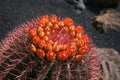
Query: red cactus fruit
(78, 58)
(51, 56)
(32, 32)
(71, 51)
(79, 29)
(53, 18)
(63, 56)
(68, 22)
(35, 39)
(32, 48)
(40, 53)
(48, 47)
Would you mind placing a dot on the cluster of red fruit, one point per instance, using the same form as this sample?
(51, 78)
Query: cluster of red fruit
(55, 39)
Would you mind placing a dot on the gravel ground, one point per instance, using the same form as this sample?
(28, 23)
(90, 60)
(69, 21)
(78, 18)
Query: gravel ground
(16, 12)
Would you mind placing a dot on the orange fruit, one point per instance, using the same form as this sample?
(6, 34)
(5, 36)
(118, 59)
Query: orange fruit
(68, 21)
(40, 53)
(62, 56)
(51, 56)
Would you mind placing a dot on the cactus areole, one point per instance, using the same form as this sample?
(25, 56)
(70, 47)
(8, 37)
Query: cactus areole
(55, 39)
(48, 48)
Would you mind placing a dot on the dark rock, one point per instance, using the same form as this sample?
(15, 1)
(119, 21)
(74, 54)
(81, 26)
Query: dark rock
(107, 19)
(109, 63)
(79, 5)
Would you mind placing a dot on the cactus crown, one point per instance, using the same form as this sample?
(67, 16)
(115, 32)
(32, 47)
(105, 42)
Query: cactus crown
(57, 39)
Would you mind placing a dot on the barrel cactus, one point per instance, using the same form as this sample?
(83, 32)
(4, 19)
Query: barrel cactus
(48, 48)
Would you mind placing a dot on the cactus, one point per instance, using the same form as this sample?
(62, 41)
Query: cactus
(48, 48)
